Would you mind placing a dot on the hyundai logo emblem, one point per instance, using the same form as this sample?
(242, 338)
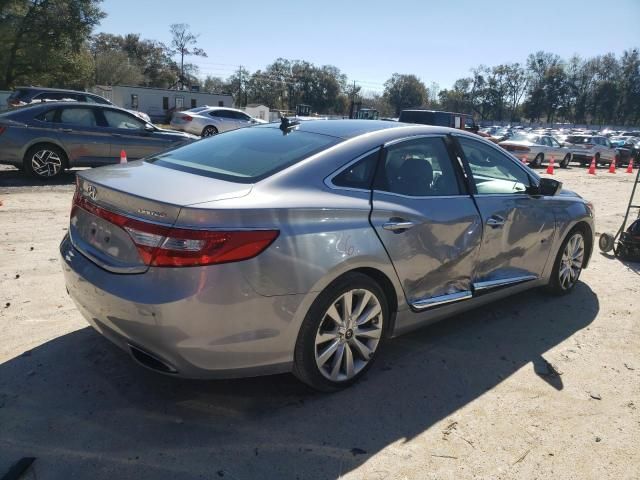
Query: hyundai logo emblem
(92, 192)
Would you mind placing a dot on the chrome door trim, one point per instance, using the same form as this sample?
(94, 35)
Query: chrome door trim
(489, 284)
(421, 197)
(441, 300)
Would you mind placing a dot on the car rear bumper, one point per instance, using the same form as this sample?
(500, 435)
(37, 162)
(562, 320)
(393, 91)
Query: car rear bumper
(199, 322)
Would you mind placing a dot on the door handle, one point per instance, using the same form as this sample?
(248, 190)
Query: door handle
(495, 221)
(398, 226)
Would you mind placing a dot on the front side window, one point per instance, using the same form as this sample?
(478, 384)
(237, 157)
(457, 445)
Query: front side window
(82, 117)
(493, 172)
(117, 119)
(418, 168)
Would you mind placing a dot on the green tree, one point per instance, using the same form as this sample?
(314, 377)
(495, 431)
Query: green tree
(115, 68)
(46, 41)
(404, 91)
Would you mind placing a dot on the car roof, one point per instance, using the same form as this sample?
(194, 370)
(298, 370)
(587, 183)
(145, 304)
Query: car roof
(346, 129)
(58, 103)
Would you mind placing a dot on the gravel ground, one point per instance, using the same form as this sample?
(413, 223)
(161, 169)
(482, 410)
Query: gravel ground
(531, 387)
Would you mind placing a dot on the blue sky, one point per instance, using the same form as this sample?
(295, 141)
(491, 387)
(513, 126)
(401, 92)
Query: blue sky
(370, 40)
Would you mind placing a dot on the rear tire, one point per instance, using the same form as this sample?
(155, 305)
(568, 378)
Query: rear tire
(342, 333)
(568, 264)
(45, 161)
(209, 131)
(537, 162)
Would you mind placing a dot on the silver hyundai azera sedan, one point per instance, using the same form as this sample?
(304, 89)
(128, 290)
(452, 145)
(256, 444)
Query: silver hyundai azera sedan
(303, 248)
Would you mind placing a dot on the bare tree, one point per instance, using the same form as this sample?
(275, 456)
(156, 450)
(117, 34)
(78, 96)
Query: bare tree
(184, 43)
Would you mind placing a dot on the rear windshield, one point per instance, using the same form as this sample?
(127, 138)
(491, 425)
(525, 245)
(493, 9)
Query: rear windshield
(246, 155)
(578, 140)
(17, 94)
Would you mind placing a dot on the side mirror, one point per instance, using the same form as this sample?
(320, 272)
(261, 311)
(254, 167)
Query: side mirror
(149, 128)
(547, 187)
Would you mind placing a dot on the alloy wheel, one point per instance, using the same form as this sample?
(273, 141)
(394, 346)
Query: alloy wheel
(348, 335)
(46, 163)
(571, 262)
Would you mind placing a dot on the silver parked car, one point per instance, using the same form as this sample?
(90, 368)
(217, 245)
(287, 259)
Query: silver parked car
(585, 148)
(537, 149)
(208, 121)
(305, 247)
(45, 138)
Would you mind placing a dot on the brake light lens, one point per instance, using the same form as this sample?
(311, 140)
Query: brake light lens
(2, 129)
(187, 118)
(163, 246)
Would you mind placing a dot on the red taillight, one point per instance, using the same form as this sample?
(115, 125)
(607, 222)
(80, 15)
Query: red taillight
(163, 246)
(186, 118)
(2, 129)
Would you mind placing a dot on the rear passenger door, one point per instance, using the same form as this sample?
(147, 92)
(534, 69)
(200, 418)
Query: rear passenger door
(86, 143)
(426, 220)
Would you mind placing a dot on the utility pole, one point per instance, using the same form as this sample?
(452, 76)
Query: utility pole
(353, 100)
(239, 84)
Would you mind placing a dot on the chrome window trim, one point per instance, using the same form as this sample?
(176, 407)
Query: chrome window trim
(441, 300)
(422, 197)
(489, 284)
(328, 181)
(413, 137)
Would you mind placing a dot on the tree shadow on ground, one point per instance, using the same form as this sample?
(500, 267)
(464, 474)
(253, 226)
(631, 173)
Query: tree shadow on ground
(84, 409)
(12, 177)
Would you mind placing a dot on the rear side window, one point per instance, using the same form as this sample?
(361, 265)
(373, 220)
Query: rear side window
(47, 116)
(82, 117)
(359, 175)
(418, 168)
(246, 155)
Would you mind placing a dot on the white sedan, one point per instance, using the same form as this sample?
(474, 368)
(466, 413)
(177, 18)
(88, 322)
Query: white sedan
(537, 149)
(209, 121)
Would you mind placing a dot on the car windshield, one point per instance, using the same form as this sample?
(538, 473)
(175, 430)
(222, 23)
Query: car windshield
(578, 139)
(246, 155)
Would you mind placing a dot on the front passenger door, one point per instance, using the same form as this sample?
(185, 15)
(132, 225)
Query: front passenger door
(517, 228)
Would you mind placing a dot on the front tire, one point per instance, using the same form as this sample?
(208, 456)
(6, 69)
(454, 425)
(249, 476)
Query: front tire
(44, 161)
(568, 264)
(342, 333)
(565, 162)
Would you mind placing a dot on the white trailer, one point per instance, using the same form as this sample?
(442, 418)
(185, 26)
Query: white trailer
(160, 103)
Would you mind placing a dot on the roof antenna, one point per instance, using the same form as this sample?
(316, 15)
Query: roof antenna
(288, 124)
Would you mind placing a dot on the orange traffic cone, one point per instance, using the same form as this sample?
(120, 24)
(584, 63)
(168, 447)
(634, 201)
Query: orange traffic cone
(592, 167)
(550, 167)
(612, 166)
(123, 156)
(630, 166)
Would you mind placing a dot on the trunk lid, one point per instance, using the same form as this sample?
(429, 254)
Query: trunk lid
(140, 191)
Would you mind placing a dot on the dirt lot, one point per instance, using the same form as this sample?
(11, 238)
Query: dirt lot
(476, 396)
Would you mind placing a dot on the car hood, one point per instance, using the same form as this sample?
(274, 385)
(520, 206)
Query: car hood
(177, 134)
(568, 193)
